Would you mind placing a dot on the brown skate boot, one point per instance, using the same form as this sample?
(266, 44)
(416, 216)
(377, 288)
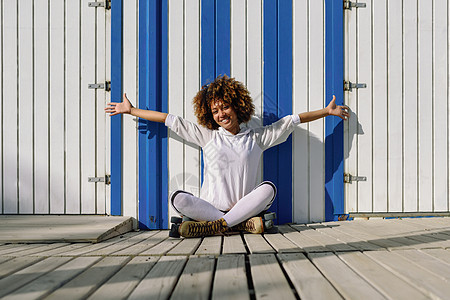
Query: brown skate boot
(204, 228)
(252, 225)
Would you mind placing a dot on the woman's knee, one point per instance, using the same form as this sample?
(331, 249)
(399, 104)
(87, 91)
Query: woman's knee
(181, 199)
(270, 186)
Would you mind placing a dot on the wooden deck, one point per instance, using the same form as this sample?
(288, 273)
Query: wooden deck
(374, 259)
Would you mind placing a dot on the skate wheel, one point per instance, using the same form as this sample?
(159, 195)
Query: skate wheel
(268, 224)
(176, 220)
(270, 216)
(174, 231)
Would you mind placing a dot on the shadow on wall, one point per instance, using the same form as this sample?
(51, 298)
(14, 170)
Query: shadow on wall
(302, 158)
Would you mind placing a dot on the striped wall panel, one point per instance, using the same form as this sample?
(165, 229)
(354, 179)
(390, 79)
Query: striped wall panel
(246, 42)
(53, 133)
(399, 131)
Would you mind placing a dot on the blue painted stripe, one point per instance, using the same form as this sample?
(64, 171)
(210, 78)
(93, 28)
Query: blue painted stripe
(278, 99)
(153, 182)
(116, 96)
(208, 29)
(215, 42)
(215, 39)
(334, 127)
(222, 40)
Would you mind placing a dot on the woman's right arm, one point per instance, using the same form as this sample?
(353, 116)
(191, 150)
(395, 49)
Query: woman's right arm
(125, 107)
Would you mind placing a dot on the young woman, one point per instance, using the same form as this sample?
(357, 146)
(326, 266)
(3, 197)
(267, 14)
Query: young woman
(230, 195)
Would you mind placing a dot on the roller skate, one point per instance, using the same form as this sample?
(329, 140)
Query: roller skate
(176, 222)
(191, 229)
(259, 224)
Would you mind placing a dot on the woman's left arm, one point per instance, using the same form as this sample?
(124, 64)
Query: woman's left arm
(331, 110)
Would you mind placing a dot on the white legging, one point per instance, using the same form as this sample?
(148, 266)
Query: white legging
(250, 205)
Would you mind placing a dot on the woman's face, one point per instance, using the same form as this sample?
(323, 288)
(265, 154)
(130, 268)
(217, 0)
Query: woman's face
(225, 116)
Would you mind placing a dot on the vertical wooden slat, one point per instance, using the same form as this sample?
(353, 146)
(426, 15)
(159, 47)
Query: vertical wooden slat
(130, 148)
(9, 126)
(87, 107)
(101, 102)
(25, 113)
(175, 97)
(72, 116)
(316, 101)
(254, 64)
(57, 169)
(238, 40)
(440, 104)
(380, 105)
(364, 112)
(41, 107)
(410, 107)
(351, 99)
(1, 108)
(395, 112)
(107, 100)
(300, 93)
(425, 87)
(192, 166)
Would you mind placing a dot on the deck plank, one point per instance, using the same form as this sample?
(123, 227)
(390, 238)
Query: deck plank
(233, 244)
(163, 247)
(308, 281)
(425, 241)
(257, 244)
(303, 242)
(16, 280)
(89, 248)
(349, 284)
(160, 281)
(52, 280)
(280, 243)
(348, 239)
(385, 281)
(9, 250)
(211, 245)
(124, 282)
(144, 245)
(91, 279)
(427, 262)
(60, 250)
(123, 244)
(40, 249)
(328, 241)
(16, 264)
(196, 280)
(4, 259)
(230, 280)
(186, 247)
(427, 282)
(441, 254)
(268, 278)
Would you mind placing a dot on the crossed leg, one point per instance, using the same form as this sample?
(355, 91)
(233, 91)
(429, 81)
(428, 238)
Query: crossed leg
(250, 205)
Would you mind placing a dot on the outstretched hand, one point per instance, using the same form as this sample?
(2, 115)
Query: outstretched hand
(338, 110)
(115, 108)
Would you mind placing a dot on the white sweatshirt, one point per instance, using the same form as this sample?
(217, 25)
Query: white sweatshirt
(231, 161)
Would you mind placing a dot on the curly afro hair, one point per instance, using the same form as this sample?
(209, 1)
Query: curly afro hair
(229, 91)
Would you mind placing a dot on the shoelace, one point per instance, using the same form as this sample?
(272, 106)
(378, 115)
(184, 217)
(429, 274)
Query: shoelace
(206, 228)
(250, 225)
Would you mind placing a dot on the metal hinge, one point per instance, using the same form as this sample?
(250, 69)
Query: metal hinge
(348, 178)
(106, 86)
(106, 179)
(349, 86)
(349, 5)
(106, 4)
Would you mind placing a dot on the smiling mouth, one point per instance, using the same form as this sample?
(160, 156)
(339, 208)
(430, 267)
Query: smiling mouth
(225, 121)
